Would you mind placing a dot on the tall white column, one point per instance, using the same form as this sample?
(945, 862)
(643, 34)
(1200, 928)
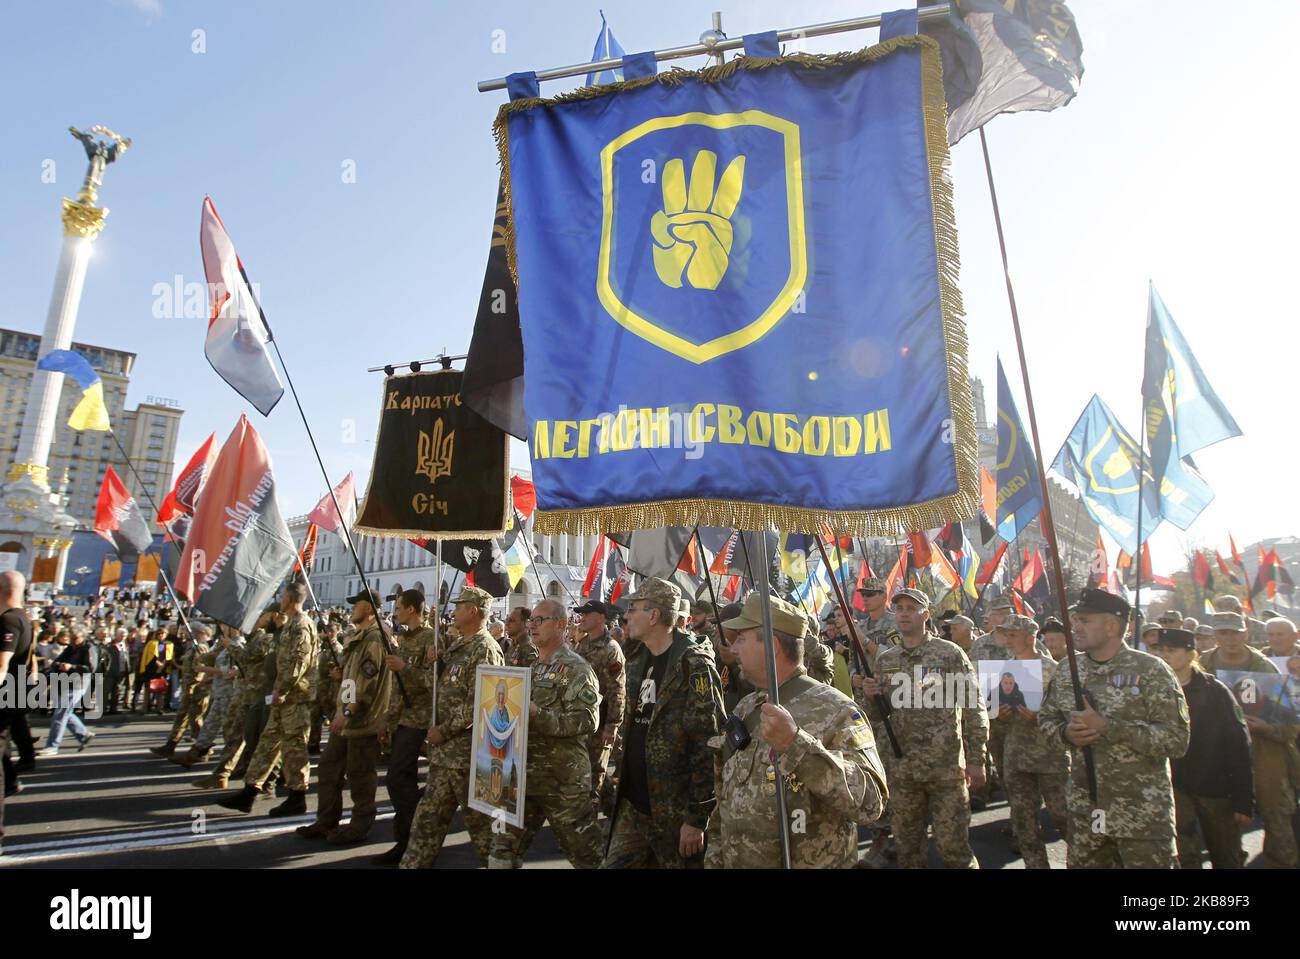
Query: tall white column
(46, 388)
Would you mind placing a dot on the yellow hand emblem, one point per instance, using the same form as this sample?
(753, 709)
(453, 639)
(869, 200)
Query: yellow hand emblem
(693, 230)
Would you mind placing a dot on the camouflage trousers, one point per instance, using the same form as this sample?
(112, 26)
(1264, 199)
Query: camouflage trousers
(358, 757)
(284, 737)
(995, 775)
(631, 844)
(232, 735)
(215, 719)
(1275, 803)
(1094, 850)
(1027, 792)
(567, 806)
(190, 714)
(1207, 824)
(446, 790)
(945, 806)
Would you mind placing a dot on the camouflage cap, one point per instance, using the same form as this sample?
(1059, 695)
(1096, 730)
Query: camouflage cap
(659, 593)
(915, 594)
(683, 606)
(960, 620)
(1002, 602)
(1019, 624)
(1170, 617)
(1229, 603)
(785, 618)
(1204, 630)
(1229, 622)
(475, 597)
(872, 584)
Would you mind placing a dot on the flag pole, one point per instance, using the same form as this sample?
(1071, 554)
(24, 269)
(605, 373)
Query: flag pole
(1042, 474)
(162, 572)
(765, 604)
(1137, 582)
(347, 533)
(708, 578)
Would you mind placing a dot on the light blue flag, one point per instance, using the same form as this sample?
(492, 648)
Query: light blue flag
(606, 48)
(1174, 377)
(1101, 459)
(1183, 415)
(1020, 498)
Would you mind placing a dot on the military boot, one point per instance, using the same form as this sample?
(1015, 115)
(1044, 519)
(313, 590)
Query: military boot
(316, 830)
(295, 805)
(190, 758)
(210, 782)
(166, 749)
(243, 800)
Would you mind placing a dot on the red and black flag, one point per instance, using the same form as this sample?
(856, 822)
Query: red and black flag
(307, 555)
(176, 510)
(605, 572)
(1226, 570)
(1204, 577)
(118, 518)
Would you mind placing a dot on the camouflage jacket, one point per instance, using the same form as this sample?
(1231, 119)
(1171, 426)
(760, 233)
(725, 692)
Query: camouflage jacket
(679, 760)
(1147, 725)
(296, 655)
(1256, 662)
(367, 684)
(818, 660)
(1273, 746)
(1029, 749)
(327, 687)
(420, 655)
(567, 696)
(834, 782)
(884, 633)
(190, 663)
(606, 659)
(454, 700)
(250, 660)
(522, 653)
(938, 713)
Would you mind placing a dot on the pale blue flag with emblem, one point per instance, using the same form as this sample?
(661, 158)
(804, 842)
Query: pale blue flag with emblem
(606, 49)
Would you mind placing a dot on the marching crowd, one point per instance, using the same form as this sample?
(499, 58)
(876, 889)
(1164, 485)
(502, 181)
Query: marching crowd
(654, 740)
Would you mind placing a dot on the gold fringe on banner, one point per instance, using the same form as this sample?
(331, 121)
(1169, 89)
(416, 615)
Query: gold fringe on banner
(957, 506)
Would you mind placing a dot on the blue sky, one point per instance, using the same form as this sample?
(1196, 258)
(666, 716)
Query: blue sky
(1171, 164)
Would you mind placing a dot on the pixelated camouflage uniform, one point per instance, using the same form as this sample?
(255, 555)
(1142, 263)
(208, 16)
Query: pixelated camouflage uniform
(194, 693)
(447, 786)
(939, 741)
(1036, 772)
(1132, 824)
(289, 724)
(363, 705)
(986, 648)
(834, 782)
(247, 694)
(606, 659)
(687, 714)
(818, 660)
(223, 689)
(567, 696)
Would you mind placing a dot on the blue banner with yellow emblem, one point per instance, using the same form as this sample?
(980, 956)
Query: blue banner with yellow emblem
(738, 297)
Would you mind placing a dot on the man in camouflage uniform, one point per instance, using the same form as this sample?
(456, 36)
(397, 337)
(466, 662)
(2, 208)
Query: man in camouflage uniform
(222, 671)
(447, 786)
(353, 746)
(248, 695)
(941, 726)
(1135, 719)
(522, 652)
(992, 647)
(734, 687)
(820, 740)
(1254, 627)
(878, 632)
(329, 675)
(818, 658)
(1037, 767)
(408, 724)
(1272, 742)
(292, 699)
(562, 714)
(607, 661)
(195, 691)
(665, 773)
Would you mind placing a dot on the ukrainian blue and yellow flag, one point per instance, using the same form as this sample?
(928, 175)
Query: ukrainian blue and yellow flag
(90, 413)
(738, 295)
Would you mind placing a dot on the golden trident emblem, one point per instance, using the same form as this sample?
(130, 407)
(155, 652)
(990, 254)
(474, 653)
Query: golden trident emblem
(433, 453)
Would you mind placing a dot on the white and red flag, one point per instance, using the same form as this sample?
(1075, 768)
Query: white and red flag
(118, 518)
(326, 514)
(238, 333)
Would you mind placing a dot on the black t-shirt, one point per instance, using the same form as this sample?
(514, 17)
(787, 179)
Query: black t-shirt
(16, 638)
(636, 786)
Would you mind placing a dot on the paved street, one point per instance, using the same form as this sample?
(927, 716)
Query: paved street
(117, 806)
